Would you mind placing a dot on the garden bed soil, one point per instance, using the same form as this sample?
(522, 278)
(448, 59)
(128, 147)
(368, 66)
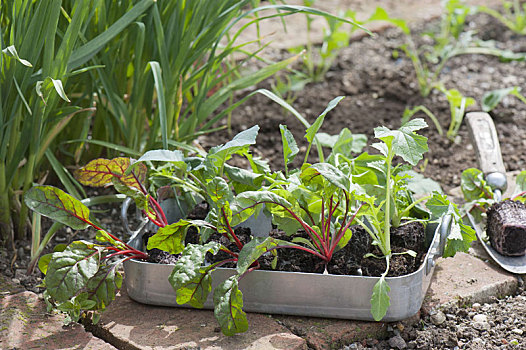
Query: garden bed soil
(378, 87)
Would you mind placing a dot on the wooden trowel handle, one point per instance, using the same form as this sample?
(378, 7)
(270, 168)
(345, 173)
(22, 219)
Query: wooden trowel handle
(484, 137)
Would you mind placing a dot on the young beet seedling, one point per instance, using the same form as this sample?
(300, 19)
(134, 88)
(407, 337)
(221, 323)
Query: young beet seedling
(323, 195)
(83, 277)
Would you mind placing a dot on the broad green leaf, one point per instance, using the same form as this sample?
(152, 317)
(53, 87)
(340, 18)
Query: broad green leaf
(228, 310)
(439, 205)
(348, 143)
(404, 141)
(162, 155)
(245, 177)
(333, 175)
(313, 129)
(192, 281)
(219, 191)
(220, 154)
(69, 271)
(254, 249)
(419, 184)
(247, 203)
(103, 287)
(103, 236)
(43, 262)
(171, 238)
(474, 186)
(290, 148)
(380, 299)
(459, 239)
(491, 99)
(58, 205)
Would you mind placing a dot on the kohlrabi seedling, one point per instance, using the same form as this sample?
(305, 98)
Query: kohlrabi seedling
(390, 203)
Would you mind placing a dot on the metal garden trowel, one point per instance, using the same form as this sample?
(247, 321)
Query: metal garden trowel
(484, 137)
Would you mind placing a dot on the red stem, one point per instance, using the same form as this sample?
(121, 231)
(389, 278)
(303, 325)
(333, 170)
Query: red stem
(519, 195)
(125, 252)
(341, 233)
(238, 242)
(229, 252)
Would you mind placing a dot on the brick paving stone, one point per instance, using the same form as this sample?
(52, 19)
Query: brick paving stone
(467, 279)
(25, 324)
(131, 325)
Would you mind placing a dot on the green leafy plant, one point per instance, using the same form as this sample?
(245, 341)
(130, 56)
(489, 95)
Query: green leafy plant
(83, 277)
(479, 195)
(491, 99)
(390, 203)
(42, 79)
(513, 15)
(457, 108)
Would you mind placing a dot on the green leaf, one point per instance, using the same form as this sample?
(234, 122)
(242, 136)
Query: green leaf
(219, 191)
(171, 238)
(520, 182)
(438, 205)
(220, 154)
(332, 174)
(103, 236)
(228, 310)
(419, 184)
(103, 287)
(381, 15)
(254, 249)
(404, 141)
(380, 299)
(474, 186)
(491, 99)
(242, 176)
(348, 143)
(247, 203)
(43, 262)
(192, 281)
(290, 148)
(162, 155)
(459, 239)
(58, 205)
(70, 270)
(313, 129)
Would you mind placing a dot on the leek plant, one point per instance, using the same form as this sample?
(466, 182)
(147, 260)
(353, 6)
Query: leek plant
(42, 65)
(174, 85)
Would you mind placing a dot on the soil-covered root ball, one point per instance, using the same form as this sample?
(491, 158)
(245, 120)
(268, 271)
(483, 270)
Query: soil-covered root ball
(506, 227)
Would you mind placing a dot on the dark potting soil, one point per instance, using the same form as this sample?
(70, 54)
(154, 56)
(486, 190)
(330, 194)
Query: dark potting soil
(348, 261)
(506, 227)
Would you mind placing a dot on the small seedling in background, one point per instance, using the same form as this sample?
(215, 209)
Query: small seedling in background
(491, 99)
(450, 41)
(457, 107)
(513, 15)
(317, 60)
